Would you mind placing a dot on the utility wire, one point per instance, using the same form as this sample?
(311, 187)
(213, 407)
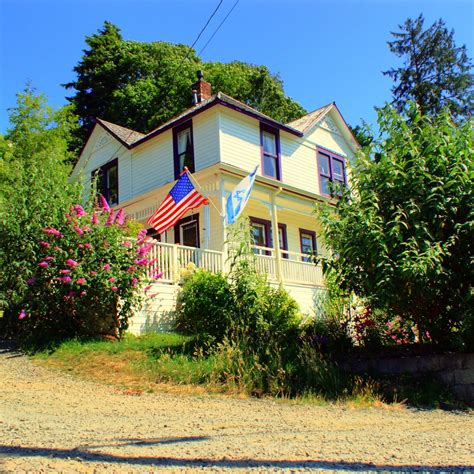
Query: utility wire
(218, 28)
(199, 35)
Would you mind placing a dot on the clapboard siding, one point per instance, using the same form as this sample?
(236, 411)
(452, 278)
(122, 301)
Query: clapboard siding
(239, 140)
(152, 164)
(206, 139)
(298, 163)
(101, 149)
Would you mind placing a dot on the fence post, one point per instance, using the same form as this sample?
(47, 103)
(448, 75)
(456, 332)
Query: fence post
(174, 263)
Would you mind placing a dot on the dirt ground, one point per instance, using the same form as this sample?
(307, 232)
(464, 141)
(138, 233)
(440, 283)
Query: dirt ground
(52, 422)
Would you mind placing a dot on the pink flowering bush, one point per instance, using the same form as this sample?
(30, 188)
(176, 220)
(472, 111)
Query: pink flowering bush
(88, 278)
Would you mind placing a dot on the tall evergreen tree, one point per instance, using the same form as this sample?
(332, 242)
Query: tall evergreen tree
(435, 73)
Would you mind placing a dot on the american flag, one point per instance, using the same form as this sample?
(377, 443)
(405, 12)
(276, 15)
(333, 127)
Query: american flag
(182, 197)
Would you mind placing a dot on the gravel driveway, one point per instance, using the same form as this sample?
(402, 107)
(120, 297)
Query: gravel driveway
(52, 422)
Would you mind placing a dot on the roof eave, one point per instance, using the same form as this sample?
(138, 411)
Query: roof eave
(217, 100)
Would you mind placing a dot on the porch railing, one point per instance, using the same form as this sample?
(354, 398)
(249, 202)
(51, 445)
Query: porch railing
(292, 267)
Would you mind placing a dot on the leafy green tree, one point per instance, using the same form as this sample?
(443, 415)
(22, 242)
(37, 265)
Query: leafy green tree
(34, 188)
(435, 73)
(254, 85)
(141, 85)
(402, 236)
(64, 268)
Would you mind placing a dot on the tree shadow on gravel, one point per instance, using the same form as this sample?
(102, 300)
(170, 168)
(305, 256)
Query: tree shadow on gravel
(148, 441)
(161, 461)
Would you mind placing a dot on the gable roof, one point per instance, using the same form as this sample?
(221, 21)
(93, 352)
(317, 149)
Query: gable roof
(307, 121)
(124, 135)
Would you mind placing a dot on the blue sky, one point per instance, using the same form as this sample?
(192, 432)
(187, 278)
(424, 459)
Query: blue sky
(324, 50)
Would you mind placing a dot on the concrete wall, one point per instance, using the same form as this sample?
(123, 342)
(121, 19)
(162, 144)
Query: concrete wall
(456, 371)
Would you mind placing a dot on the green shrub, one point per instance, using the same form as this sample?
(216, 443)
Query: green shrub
(204, 305)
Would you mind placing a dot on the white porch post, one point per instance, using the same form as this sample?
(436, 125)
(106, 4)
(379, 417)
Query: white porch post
(275, 236)
(207, 226)
(225, 249)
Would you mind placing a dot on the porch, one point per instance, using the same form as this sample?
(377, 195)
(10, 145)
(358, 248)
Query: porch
(280, 266)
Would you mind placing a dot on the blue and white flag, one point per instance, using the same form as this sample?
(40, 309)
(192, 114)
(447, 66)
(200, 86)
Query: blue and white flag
(238, 197)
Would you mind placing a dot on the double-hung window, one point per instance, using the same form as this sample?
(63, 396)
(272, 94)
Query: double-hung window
(183, 148)
(270, 143)
(107, 181)
(331, 172)
(261, 230)
(308, 244)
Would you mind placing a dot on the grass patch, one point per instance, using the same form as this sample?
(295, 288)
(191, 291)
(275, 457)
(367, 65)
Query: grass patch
(175, 363)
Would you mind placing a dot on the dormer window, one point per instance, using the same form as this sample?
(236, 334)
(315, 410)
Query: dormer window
(270, 144)
(183, 148)
(331, 170)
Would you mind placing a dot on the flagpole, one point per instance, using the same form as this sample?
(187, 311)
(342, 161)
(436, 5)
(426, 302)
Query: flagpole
(192, 178)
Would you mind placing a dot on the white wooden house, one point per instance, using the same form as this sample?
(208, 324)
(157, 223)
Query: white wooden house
(221, 140)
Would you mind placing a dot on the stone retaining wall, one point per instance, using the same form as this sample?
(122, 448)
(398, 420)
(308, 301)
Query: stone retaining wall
(455, 370)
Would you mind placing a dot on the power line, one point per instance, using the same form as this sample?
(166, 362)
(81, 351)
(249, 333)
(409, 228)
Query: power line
(207, 23)
(218, 28)
(199, 35)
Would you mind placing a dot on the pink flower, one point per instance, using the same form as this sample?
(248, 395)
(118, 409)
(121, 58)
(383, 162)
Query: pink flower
(147, 288)
(48, 258)
(81, 246)
(78, 230)
(43, 264)
(88, 246)
(134, 282)
(106, 267)
(95, 219)
(86, 228)
(141, 262)
(79, 210)
(114, 289)
(83, 293)
(141, 235)
(81, 281)
(104, 204)
(64, 272)
(71, 263)
(157, 275)
(127, 243)
(23, 314)
(92, 273)
(145, 249)
(120, 219)
(56, 248)
(110, 219)
(153, 295)
(52, 231)
(112, 279)
(31, 281)
(65, 279)
(44, 244)
(131, 269)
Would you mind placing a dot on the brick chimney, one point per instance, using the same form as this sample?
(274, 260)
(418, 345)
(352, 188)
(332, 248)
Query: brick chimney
(202, 89)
